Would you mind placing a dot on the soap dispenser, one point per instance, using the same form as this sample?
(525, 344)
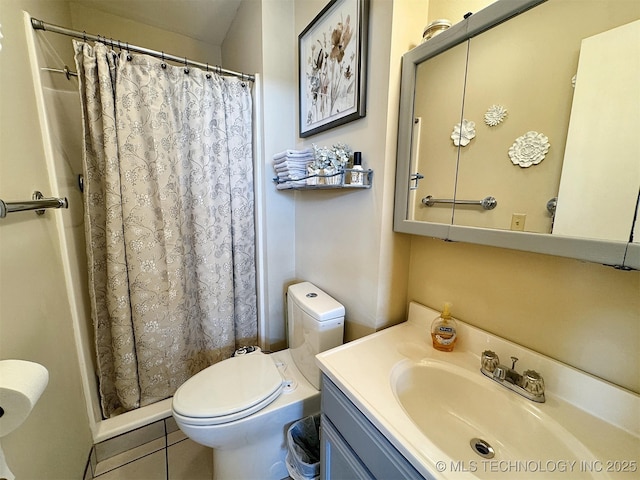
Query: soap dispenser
(443, 330)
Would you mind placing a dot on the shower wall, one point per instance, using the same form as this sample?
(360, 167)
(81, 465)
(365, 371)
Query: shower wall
(61, 129)
(35, 316)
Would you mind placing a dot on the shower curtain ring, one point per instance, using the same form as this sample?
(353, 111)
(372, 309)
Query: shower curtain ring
(186, 67)
(208, 74)
(84, 35)
(163, 65)
(128, 53)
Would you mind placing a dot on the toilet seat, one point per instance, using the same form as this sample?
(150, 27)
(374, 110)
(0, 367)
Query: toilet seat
(229, 390)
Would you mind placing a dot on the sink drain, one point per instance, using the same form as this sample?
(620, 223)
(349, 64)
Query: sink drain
(482, 448)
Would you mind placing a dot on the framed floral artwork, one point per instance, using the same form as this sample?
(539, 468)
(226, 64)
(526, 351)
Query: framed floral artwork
(332, 66)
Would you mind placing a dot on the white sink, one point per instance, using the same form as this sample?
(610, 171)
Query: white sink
(464, 414)
(431, 404)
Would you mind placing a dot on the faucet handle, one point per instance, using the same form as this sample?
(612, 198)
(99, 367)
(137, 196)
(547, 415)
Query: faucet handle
(533, 382)
(489, 361)
(500, 373)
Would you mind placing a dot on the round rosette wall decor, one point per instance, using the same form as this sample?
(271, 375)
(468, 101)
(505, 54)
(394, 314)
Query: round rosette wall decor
(463, 133)
(495, 115)
(529, 149)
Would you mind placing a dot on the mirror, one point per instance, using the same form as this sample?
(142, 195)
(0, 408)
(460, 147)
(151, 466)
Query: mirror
(509, 104)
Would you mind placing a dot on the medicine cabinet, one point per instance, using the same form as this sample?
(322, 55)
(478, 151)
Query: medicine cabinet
(517, 130)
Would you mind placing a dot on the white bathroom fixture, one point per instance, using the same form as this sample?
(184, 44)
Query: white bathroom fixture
(441, 417)
(242, 406)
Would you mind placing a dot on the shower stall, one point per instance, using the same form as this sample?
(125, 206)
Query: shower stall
(60, 121)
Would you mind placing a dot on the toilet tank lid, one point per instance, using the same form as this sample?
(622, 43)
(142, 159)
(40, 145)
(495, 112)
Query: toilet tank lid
(316, 303)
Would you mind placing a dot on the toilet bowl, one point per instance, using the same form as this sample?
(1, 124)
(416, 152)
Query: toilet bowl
(241, 407)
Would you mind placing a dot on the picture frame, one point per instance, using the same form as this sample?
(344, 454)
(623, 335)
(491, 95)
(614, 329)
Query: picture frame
(332, 67)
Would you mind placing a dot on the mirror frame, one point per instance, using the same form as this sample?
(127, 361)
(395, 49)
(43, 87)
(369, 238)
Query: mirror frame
(624, 255)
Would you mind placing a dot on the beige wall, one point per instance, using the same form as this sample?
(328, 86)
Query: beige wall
(583, 314)
(35, 319)
(586, 315)
(454, 10)
(344, 241)
(94, 21)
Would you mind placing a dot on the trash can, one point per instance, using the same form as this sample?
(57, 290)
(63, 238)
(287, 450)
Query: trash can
(303, 448)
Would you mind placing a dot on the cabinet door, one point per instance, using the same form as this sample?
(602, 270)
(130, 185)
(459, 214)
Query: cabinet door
(337, 460)
(382, 460)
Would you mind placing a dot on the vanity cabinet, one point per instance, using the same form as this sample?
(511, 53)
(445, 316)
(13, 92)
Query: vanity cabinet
(351, 447)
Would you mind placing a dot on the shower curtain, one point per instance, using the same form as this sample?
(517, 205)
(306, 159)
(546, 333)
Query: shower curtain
(169, 219)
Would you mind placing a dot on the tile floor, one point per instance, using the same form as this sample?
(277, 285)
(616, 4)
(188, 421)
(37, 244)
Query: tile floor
(156, 452)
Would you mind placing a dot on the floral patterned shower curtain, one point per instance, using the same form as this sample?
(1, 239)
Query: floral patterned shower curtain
(169, 221)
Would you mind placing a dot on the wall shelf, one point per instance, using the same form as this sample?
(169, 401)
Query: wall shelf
(338, 180)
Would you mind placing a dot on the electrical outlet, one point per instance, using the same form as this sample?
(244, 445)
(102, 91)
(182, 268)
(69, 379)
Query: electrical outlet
(517, 221)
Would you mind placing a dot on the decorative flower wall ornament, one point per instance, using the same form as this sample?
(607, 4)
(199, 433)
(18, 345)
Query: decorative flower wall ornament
(463, 133)
(495, 115)
(529, 149)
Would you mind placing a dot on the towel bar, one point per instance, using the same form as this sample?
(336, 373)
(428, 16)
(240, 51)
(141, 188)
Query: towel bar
(37, 203)
(488, 203)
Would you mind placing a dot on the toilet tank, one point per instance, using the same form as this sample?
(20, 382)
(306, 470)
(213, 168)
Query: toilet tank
(315, 323)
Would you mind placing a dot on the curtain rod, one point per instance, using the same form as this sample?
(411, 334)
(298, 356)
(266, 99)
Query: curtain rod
(40, 25)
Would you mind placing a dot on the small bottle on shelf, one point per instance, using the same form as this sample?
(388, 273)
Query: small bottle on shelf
(357, 174)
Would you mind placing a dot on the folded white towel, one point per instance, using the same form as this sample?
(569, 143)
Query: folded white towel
(285, 168)
(291, 176)
(293, 161)
(293, 153)
(291, 184)
(292, 166)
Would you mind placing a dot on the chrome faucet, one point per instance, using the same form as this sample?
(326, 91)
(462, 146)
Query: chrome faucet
(530, 384)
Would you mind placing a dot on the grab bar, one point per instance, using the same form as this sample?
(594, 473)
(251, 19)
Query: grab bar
(488, 203)
(38, 203)
(68, 73)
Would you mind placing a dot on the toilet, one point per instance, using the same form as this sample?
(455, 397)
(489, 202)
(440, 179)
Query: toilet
(241, 407)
